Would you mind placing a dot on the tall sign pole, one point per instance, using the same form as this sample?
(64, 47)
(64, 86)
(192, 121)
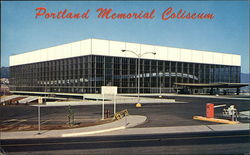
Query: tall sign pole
(40, 101)
(39, 120)
(102, 106)
(114, 103)
(138, 87)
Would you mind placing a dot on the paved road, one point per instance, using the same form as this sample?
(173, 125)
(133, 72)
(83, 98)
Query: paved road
(233, 142)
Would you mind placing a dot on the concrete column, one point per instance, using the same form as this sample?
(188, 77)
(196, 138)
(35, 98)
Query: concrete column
(238, 91)
(211, 91)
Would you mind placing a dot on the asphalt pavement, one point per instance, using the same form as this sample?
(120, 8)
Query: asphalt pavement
(225, 142)
(160, 116)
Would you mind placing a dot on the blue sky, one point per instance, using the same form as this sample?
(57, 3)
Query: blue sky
(228, 32)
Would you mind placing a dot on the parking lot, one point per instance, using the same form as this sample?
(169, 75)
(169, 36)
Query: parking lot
(158, 114)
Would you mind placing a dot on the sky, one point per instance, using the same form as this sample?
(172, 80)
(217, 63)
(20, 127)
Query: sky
(227, 32)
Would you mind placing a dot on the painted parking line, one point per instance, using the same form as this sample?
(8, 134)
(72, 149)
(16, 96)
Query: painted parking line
(45, 121)
(14, 121)
(19, 121)
(11, 120)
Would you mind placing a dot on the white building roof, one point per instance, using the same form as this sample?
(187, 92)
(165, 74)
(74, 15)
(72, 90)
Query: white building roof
(113, 48)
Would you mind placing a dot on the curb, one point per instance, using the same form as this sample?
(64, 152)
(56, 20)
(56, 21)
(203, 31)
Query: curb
(215, 120)
(126, 122)
(126, 119)
(92, 132)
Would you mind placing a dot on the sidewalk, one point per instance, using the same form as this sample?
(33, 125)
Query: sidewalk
(179, 129)
(126, 122)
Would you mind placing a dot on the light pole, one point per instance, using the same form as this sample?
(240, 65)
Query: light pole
(160, 74)
(139, 55)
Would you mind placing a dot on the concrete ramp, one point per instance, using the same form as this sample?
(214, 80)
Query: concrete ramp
(244, 114)
(7, 98)
(126, 99)
(28, 99)
(119, 100)
(97, 96)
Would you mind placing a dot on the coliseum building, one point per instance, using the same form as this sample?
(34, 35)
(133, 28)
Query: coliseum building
(84, 66)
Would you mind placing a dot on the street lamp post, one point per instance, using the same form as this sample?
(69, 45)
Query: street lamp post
(139, 55)
(160, 74)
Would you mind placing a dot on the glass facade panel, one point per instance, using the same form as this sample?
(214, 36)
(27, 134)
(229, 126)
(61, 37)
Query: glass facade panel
(87, 74)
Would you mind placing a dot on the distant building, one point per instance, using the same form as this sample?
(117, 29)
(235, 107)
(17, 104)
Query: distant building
(85, 66)
(4, 88)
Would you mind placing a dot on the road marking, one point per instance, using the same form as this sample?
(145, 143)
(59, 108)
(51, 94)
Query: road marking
(45, 121)
(20, 121)
(10, 120)
(131, 140)
(13, 122)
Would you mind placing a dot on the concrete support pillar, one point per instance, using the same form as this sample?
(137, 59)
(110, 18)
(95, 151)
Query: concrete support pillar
(238, 91)
(218, 91)
(211, 91)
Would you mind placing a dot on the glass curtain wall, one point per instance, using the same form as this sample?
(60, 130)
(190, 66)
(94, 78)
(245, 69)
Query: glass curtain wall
(87, 74)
